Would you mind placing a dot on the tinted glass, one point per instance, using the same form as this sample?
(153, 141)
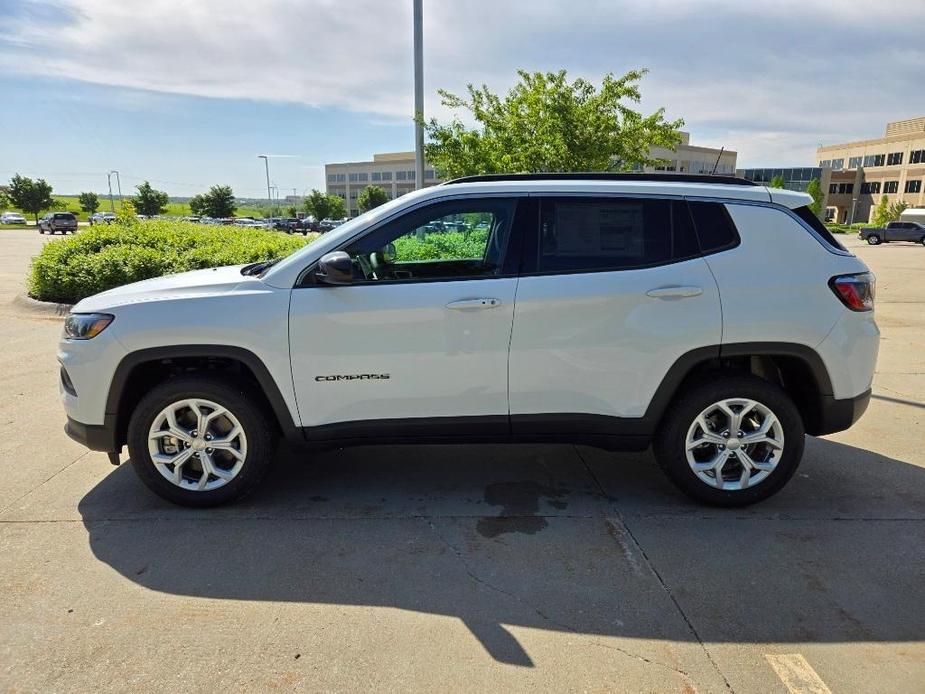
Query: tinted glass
(808, 216)
(597, 234)
(715, 228)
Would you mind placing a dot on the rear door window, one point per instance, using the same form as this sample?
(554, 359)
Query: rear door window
(605, 234)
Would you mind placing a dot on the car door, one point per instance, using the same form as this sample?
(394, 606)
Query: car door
(614, 291)
(896, 231)
(418, 342)
(909, 232)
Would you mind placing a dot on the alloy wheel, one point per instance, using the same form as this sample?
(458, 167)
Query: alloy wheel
(197, 444)
(734, 444)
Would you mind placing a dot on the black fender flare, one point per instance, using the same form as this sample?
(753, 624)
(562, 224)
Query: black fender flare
(143, 356)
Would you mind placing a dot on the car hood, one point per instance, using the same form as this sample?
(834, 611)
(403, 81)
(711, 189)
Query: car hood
(218, 280)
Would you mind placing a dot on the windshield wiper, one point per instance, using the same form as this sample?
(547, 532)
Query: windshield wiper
(259, 268)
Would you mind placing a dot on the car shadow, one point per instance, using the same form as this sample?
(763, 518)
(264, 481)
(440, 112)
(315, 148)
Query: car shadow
(546, 537)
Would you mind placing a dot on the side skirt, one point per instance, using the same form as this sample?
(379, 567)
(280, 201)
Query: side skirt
(609, 433)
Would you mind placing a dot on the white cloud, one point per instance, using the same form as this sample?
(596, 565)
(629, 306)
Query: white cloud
(768, 79)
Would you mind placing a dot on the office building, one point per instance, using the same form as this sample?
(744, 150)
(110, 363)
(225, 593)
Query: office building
(862, 172)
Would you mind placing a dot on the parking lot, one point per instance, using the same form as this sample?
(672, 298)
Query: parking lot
(479, 568)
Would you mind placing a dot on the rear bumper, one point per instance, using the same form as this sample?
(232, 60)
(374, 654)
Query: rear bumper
(840, 414)
(96, 437)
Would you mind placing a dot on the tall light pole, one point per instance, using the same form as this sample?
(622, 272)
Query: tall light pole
(275, 198)
(418, 94)
(112, 207)
(118, 183)
(266, 162)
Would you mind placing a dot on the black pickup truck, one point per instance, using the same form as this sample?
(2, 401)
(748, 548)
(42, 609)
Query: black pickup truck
(894, 231)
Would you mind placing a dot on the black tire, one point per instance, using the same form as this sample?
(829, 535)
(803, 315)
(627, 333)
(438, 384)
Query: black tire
(873, 239)
(260, 433)
(669, 444)
(922, 240)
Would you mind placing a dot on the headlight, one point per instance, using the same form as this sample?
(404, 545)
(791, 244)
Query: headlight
(83, 326)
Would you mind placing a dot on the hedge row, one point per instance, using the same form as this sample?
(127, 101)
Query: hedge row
(104, 257)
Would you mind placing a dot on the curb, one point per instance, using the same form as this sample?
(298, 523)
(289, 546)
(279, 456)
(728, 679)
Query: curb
(41, 309)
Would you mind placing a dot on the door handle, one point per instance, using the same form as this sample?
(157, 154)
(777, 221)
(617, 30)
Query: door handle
(473, 304)
(674, 292)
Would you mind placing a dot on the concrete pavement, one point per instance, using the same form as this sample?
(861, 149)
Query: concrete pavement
(465, 568)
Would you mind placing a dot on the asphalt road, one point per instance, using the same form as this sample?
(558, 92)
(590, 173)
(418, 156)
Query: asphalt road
(477, 568)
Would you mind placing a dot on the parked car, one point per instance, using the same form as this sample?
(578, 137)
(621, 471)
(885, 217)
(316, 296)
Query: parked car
(12, 218)
(894, 231)
(53, 222)
(102, 218)
(715, 319)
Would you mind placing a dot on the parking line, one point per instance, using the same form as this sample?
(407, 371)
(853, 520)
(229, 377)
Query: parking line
(797, 674)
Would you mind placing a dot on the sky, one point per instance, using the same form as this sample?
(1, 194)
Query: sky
(187, 93)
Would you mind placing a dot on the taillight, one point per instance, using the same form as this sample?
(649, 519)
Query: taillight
(855, 291)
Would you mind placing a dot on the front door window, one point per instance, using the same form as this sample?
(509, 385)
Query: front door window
(464, 239)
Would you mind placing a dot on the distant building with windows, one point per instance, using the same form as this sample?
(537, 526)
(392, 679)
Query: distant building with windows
(394, 172)
(795, 177)
(862, 172)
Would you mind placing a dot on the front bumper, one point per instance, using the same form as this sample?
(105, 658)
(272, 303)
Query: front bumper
(839, 414)
(96, 437)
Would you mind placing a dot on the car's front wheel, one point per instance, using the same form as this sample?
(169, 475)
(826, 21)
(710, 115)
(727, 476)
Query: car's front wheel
(199, 441)
(731, 440)
(873, 239)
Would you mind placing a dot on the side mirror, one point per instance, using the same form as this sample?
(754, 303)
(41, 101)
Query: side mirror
(335, 268)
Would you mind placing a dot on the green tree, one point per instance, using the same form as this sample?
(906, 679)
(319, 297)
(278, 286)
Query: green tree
(30, 196)
(338, 208)
(4, 200)
(370, 197)
(882, 212)
(126, 213)
(291, 211)
(896, 209)
(197, 204)
(814, 188)
(323, 206)
(149, 201)
(89, 202)
(777, 182)
(546, 123)
(218, 202)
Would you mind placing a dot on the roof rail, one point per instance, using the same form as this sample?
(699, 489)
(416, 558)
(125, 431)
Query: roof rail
(667, 177)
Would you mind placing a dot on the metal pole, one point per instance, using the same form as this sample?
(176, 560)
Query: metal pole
(418, 94)
(119, 184)
(266, 162)
(112, 206)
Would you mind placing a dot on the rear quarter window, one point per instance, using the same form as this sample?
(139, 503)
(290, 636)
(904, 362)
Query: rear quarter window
(715, 229)
(808, 216)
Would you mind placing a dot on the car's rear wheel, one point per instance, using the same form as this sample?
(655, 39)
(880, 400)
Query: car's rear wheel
(873, 239)
(199, 441)
(731, 441)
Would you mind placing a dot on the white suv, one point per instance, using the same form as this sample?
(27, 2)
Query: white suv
(716, 320)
